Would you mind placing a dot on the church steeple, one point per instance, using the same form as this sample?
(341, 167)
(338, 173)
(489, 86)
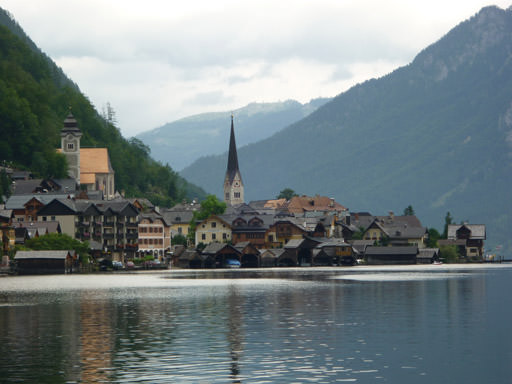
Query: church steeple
(70, 136)
(233, 185)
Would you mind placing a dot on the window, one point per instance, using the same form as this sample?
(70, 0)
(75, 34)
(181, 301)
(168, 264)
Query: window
(53, 218)
(71, 146)
(214, 237)
(270, 238)
(179, 230)
(227, 196)
(214, 224)
(237, 195)
(224, 236)
(203, 236)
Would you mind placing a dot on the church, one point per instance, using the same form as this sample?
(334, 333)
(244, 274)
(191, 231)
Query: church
(233, 184)
(90, 167)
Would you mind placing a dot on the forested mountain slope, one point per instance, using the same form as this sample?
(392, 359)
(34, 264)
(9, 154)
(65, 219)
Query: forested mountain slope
(436, 134)
(34, 100)
(182, 142)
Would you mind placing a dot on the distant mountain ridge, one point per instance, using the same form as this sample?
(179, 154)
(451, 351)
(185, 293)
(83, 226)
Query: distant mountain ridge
(436, 134)
(181, 142)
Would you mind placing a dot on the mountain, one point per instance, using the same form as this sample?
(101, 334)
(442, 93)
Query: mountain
(436, 134)
(35, 97)
(177, 143)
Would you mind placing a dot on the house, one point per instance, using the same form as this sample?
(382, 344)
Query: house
(332, 251)
(269, 257)
(396, 231)
(213, 229)
(45, 262)
(154, 235)
(427, 255)
(391, 255)
(113, 225)
(250, 228)
(52, 186)
(283, 230)
(250, 254)
(25, 207)
(298, 252)
(179, 220)
(298, 205)
(471, 237)
(32, 229)
(216, 255)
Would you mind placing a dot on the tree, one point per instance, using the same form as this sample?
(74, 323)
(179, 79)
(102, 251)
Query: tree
(448, 219)
(449, 254)
(287, 194)
(409, 211)
(5, 185)
(59, 241)
(179, 239)
(433, 236)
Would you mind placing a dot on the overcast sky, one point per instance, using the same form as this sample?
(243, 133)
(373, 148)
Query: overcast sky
(156, 61)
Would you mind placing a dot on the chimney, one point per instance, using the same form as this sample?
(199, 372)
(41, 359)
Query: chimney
(391, 215)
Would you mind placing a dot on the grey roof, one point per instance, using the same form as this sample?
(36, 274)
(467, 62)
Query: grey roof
(42, 254)
(19, 201)
(232, 168)
(70, 125)
(391, 250)
(22, 187)
(427, 253)
(177, 217)
(477, 231)
(154, 216)
(47, 226)
(294, 243)
(6, 213)
(213, 248)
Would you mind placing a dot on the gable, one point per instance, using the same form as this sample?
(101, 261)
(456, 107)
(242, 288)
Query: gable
(56, 208)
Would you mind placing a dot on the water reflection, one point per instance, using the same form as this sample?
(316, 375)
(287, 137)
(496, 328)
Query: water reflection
(294, 329)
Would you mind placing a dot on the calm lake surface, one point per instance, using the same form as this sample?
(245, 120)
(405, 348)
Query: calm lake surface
(429, 324)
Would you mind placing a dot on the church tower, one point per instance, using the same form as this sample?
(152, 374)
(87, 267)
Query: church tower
(70, 146)
(233, 185)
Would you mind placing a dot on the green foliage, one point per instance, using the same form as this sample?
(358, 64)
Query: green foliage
(448, 219)
(5, 185)
(409, 211)
(449, 254)
(58, 241)
(209, 206)
(179, 240)
(287, 194)
(359, 234)
(34, 100)
(433, 237)
(149, 258)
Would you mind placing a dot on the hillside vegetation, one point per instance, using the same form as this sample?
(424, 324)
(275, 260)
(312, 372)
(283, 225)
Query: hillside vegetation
(34, 100)
(436, 134)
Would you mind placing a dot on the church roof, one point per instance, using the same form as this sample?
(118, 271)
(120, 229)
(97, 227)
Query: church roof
(93, 161)
(232, 156)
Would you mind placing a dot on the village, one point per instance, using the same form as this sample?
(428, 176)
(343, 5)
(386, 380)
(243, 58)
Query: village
(132, 233)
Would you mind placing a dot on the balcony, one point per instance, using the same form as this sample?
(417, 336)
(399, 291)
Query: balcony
(132, 236)
(108, 223)
(108, 235)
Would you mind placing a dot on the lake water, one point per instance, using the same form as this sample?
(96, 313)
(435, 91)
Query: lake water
(428, 324)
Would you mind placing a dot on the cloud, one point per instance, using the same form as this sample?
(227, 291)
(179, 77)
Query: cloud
(160, 60)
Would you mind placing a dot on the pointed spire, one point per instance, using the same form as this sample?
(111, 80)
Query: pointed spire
(232, 157)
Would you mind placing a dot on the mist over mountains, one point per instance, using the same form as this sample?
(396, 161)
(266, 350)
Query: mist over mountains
(181, 142)
(436, 134)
